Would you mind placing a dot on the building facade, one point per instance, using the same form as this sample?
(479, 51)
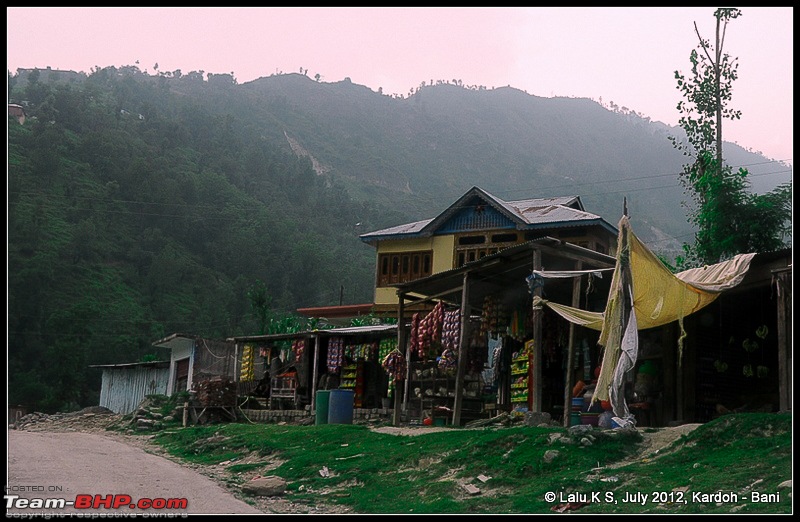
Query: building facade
(476, 225)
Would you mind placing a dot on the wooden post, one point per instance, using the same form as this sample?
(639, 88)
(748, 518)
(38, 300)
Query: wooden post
(576, 302)
(463, 344)
(679, 384)
(314, 372)
(236, 366)
(535, 399)
(626, 282)
(784, 291)
(401, 341)
(668, 359)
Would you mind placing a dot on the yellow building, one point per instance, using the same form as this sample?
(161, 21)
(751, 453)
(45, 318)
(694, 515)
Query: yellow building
(476, 225)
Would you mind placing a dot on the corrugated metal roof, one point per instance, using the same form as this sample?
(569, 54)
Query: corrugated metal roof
(533, 215)
(351, 330)
(523, 208)
(345, 331)
(337, 316)
(175, 336)
(546, 202)
(527, 213)
(179, 340)
(155, 364)
(408, 228)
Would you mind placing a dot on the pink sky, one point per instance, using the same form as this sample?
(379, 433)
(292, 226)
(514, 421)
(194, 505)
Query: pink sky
(624, 55)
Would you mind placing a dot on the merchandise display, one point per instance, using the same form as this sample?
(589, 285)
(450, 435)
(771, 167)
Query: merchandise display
(395, 365)
(520, 377)
(335, 354)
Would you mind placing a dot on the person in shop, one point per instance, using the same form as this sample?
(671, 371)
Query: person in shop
(275, 368)
(328, 381)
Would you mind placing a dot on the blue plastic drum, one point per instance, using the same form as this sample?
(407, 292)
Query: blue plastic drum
(340, 407)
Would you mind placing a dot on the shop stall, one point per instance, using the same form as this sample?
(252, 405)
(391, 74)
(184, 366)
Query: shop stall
(303, 362)
(484, 346)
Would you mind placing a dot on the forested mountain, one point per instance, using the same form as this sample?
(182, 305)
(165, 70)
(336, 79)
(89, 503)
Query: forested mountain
(143, 205)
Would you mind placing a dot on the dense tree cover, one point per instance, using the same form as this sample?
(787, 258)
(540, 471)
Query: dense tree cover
(730, 218)
(135, 212)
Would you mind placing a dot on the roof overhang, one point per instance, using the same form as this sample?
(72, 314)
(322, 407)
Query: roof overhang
(148, 364)
(382, 330)
(338, 316)
(503, 272)
(177, 340)
(575, 224)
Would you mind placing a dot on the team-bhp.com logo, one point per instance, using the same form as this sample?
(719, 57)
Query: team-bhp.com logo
(95, 502)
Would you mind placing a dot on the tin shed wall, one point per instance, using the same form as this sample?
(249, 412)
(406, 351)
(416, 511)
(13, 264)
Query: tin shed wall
(124, 388)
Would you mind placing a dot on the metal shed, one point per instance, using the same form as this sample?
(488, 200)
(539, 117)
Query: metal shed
(125, 385)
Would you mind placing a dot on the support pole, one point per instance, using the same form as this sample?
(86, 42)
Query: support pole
(463, 344)
(314, 372)
(535, 400)
(783, 285)
(576, 302)
(401, 342)
(236, 366)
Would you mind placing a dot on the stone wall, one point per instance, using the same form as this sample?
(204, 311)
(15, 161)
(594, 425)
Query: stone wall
(308, 416)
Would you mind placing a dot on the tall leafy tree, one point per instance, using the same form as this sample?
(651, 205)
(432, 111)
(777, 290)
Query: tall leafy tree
(730, 219)
(261, 304)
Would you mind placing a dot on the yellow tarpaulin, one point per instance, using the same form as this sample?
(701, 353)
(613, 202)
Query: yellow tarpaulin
(659, 296)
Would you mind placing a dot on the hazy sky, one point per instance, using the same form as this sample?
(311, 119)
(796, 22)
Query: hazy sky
(623, 55)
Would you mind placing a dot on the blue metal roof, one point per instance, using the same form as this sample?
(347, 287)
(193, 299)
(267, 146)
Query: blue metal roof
(478, 209)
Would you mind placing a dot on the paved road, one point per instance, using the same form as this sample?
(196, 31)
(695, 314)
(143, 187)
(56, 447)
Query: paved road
(64, 465)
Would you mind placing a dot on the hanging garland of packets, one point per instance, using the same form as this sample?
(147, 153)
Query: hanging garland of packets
(363, 351)
(448, 361)
(520, 325)
(494, 317)
(414, 336)
(427, 331)
(451, 329)
(395, 365)
(298, 347)
(335, 354)
(247, 372)
(386, 346)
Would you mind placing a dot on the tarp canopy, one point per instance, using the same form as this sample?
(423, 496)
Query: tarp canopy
(659, 296)
(645, 294)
